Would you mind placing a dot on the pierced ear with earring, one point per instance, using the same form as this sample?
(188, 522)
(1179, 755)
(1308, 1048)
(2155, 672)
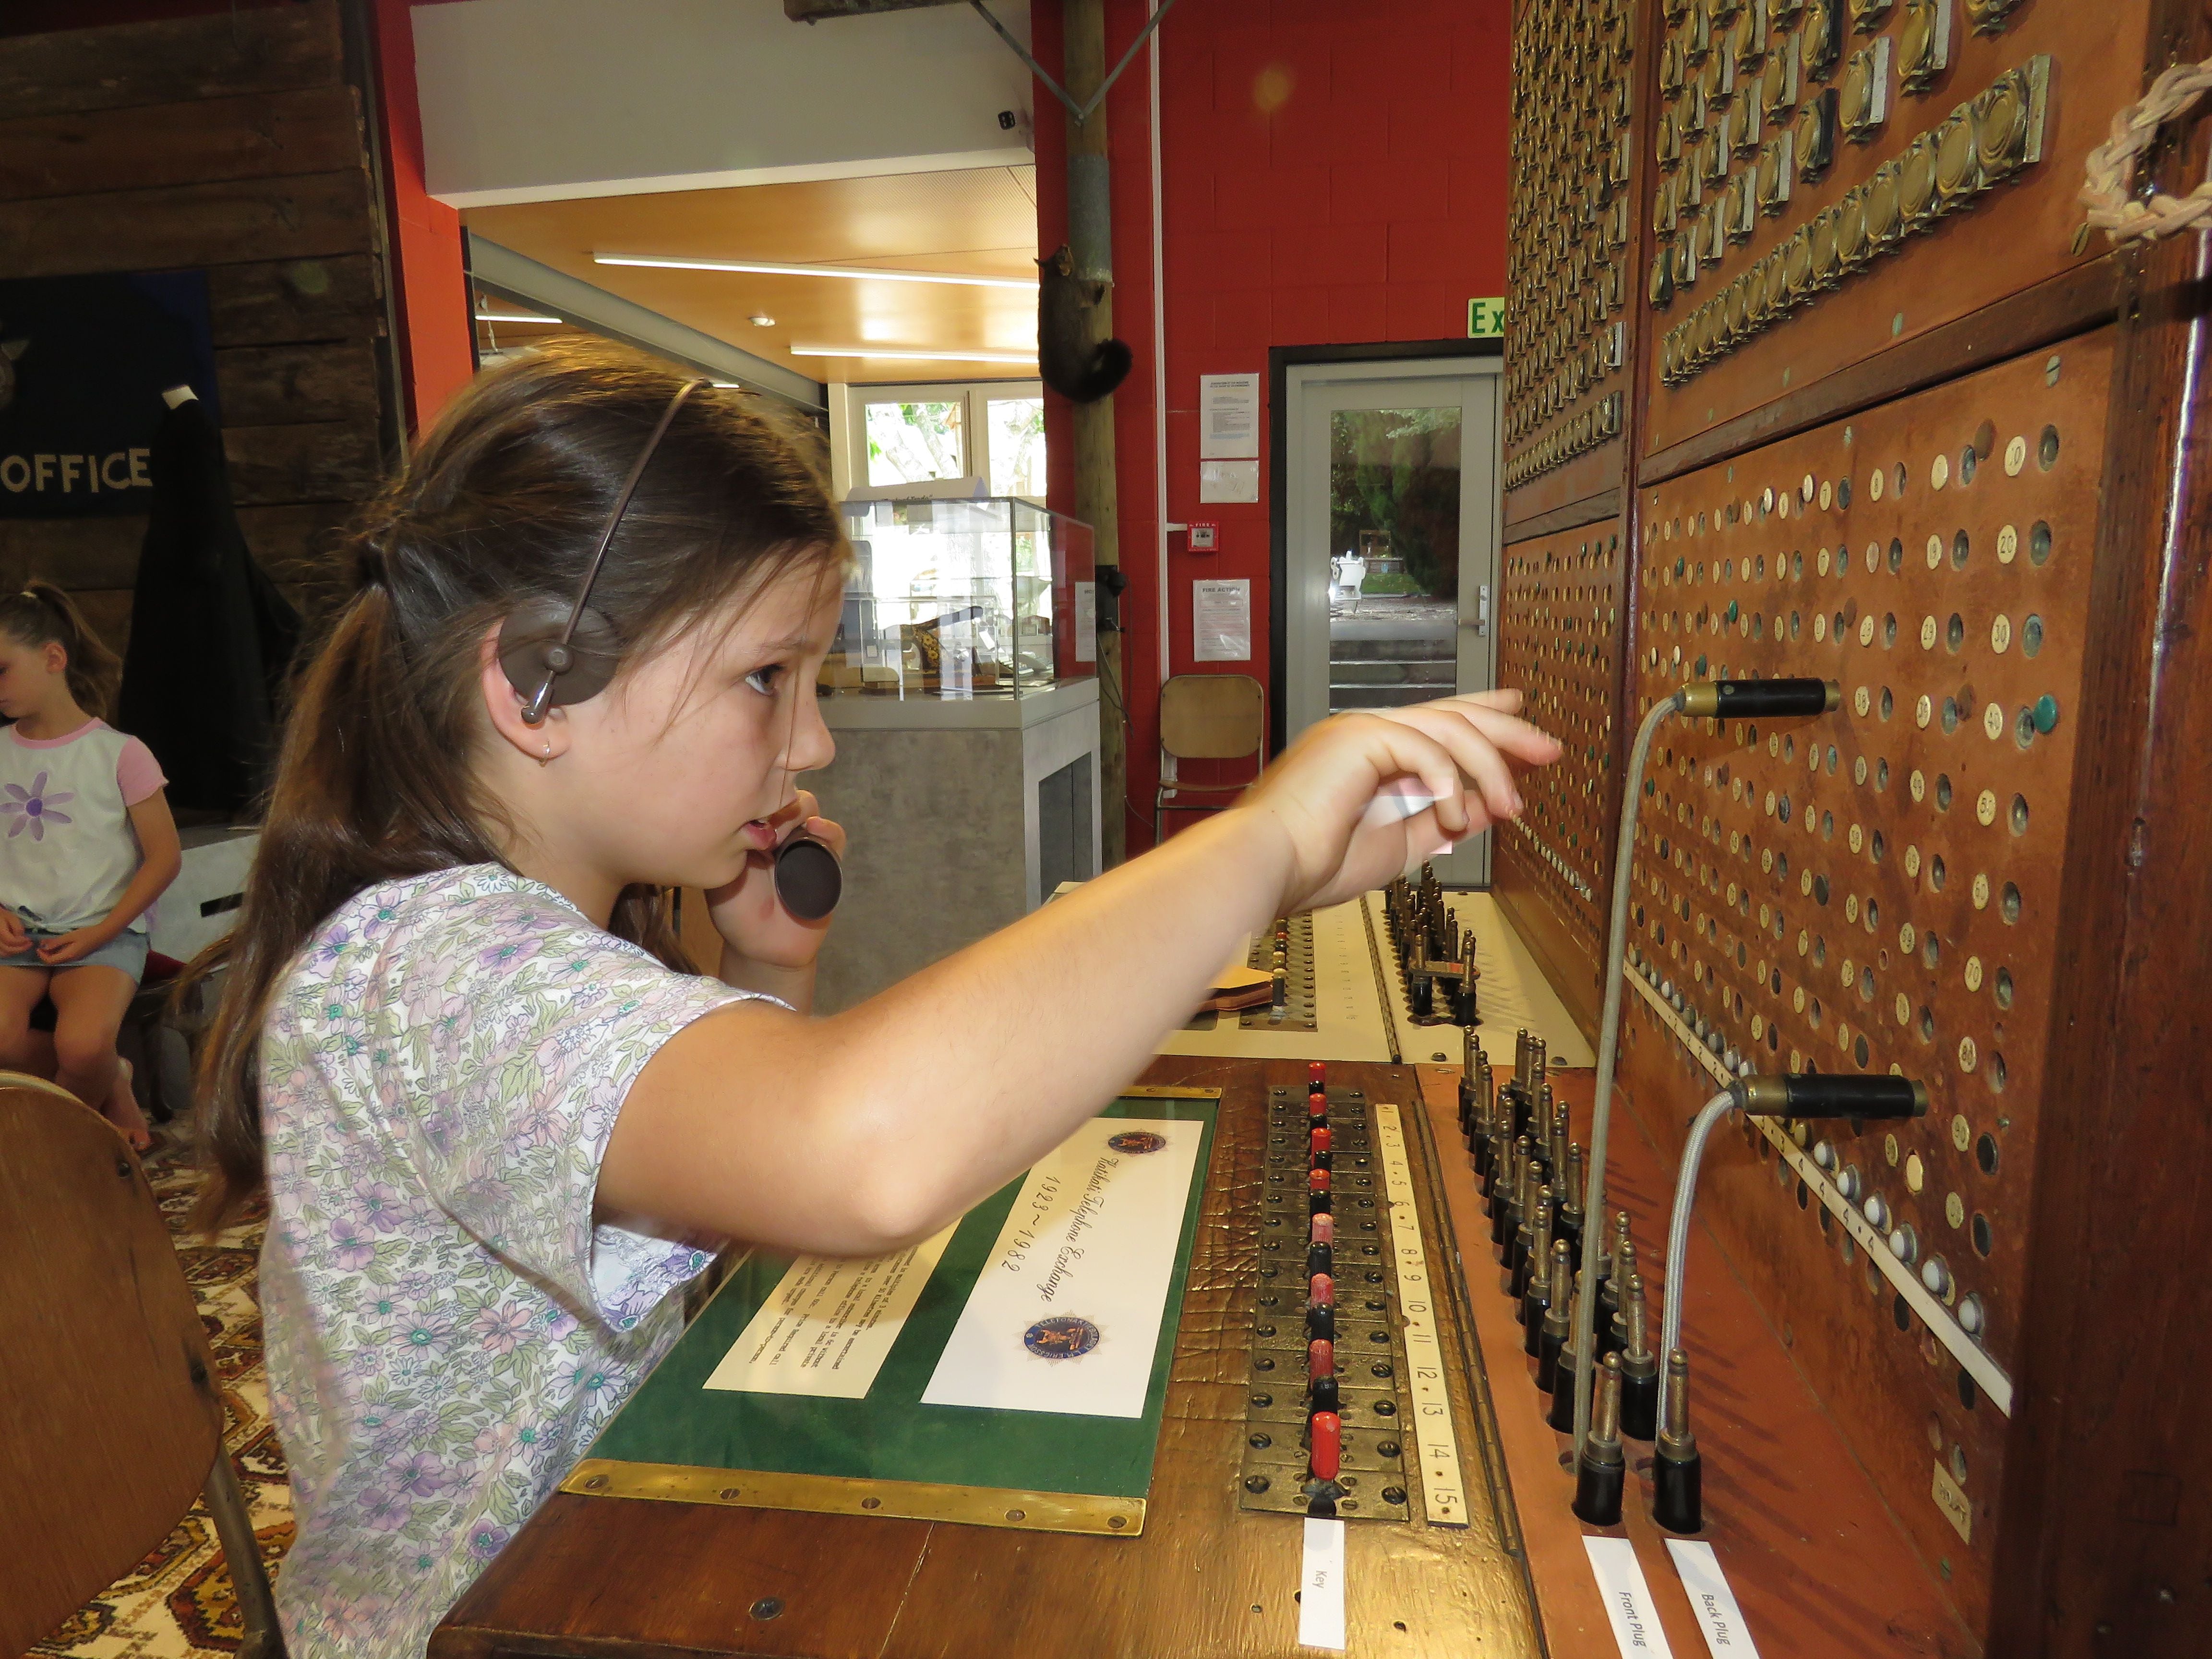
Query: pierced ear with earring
(546, 759)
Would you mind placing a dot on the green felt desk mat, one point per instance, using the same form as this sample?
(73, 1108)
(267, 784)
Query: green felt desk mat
(889, 1454)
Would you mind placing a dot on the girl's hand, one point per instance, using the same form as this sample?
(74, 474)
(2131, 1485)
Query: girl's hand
(1319, 792)
(14, 939)
(747, 913)
(82, 941)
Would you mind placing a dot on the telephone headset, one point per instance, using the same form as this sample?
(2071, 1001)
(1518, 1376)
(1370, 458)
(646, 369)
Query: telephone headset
(555, 655)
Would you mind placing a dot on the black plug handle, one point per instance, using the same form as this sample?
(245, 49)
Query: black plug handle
(1821, 1094)
(1739, 700)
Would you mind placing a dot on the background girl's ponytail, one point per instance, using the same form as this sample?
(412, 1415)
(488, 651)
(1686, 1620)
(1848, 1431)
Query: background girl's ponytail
(43, 615)
(500, 505)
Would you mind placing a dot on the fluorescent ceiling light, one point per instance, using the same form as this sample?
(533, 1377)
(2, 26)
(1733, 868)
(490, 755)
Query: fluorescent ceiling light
(851, 273)
(915, 354)
(512, 316)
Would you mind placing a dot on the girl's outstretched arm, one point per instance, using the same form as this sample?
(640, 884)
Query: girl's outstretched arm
(860, 1133)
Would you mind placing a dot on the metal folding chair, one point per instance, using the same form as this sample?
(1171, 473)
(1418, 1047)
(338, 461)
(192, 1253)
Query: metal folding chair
(1208, 717)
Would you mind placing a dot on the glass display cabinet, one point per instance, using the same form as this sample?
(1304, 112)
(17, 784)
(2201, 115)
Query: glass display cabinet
(963, 692)
(960, 600)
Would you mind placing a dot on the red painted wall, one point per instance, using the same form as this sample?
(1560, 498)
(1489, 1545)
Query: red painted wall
(437, 355)
(1333, 172)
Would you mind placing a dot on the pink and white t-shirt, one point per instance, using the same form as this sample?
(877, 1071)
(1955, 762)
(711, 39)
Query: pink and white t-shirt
(67, 849)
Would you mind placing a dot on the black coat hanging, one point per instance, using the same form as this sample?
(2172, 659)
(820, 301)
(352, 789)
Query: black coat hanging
(211, 638)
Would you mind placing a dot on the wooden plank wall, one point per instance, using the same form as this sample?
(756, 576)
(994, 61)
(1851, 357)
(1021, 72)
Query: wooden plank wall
(232, 144)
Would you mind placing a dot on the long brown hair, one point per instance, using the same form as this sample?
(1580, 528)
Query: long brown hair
(499, 505)
(43, 615)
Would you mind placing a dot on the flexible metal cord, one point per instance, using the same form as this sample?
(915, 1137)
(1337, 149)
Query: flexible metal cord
(1678, 1226)
(1608, 1047)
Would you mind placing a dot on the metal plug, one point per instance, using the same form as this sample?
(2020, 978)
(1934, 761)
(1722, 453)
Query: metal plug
(1639, 1367)
(1552, 1333)
(1677, 1469)
(1600, 1471)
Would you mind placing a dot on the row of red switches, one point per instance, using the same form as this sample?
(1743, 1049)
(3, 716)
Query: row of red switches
(1324, 1427)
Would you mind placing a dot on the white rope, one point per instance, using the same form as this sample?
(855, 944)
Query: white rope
(2109, 195)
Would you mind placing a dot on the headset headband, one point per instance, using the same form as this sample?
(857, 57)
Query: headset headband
(559, 657)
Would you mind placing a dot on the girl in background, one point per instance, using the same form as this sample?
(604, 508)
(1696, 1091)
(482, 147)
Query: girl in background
(498, 1116)
(87, 845)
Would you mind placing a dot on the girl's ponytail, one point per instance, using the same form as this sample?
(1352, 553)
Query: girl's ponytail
(42, 614)
(350, 752)
(499, 507)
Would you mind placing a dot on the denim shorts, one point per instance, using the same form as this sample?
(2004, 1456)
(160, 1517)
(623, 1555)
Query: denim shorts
(126, 951)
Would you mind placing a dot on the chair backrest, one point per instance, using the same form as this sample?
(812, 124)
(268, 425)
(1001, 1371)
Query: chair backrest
(110, 1419)
(1212, 716)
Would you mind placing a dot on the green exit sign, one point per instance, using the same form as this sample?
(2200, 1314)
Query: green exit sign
(1485, 319)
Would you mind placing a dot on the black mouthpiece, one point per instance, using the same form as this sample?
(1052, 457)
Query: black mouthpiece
(808, 879)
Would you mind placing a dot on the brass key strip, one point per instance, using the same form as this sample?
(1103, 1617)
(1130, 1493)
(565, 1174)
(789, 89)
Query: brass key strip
(1443, 1494)
(1973, 1357)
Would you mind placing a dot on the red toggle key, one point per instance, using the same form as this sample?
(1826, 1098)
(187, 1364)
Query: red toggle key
(1316, 1105)
(1317, 1075)
(1327, 1430)
(1320, 1139)
(1317, 1181)
(1324, 1230)
(1321, 1358)
(1321, 1291)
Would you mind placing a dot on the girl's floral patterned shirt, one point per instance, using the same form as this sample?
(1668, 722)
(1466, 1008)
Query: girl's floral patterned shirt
(446, 1328)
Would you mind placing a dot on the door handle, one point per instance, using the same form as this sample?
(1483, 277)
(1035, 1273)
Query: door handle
(1481, 622)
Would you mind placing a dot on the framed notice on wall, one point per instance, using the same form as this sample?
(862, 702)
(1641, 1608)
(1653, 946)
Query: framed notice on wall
(83, 362)
(1221, 620)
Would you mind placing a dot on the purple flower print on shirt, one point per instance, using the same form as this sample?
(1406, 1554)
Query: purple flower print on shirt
(424, 1474)
(501, 1329)
(486, 1540)
(356, 1244)
(385, 1509)
(35, 811)
(381, 1206)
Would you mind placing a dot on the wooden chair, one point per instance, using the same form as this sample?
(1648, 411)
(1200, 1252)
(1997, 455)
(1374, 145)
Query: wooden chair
(111, 1419)
(1208, 717)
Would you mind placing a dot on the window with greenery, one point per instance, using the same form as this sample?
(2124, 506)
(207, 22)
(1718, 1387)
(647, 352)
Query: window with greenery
(916, 443)
(1394, 497)
(1016, 442)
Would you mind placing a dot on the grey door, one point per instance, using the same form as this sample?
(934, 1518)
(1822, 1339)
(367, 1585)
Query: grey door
(1392, 499)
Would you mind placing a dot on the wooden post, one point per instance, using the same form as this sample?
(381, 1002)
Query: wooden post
(1091, 240)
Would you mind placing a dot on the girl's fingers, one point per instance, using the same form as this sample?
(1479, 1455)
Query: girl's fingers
(1517, 737)
(1474, 755)
(1408, 748)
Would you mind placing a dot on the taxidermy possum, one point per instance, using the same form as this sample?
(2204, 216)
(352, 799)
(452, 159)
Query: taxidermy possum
(1069, 363)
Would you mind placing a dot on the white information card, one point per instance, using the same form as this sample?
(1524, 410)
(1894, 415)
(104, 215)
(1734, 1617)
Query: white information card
(828, 1328)
(1066, 1315)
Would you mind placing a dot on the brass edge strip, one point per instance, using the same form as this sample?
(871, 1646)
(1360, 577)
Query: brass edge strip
(1167, 1091)
(1381, 982)
(1436, 1437)
(825, 1494)
(1481, 1408)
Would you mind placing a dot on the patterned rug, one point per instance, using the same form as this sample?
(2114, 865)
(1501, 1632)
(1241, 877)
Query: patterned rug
(178, 1601)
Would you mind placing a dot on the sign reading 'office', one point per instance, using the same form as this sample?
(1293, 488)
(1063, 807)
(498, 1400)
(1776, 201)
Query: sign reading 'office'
(83, 362)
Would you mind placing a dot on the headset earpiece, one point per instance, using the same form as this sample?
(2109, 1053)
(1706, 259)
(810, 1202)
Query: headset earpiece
(556, 654)
(536, 661)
